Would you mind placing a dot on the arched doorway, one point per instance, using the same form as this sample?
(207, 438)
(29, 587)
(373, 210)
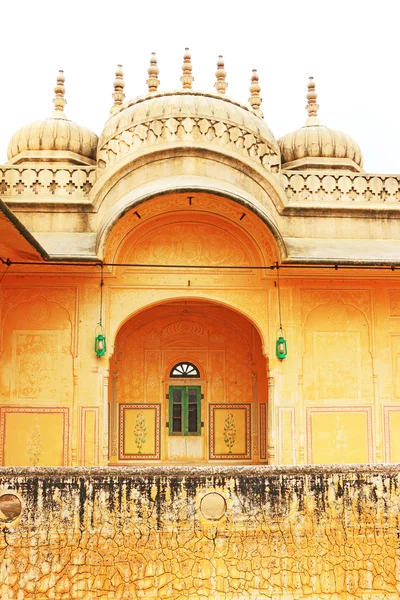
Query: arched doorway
(188, 386)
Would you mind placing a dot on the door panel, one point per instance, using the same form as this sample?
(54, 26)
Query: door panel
(185, 434)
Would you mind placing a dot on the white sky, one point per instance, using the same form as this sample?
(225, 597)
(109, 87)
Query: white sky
(350, 47)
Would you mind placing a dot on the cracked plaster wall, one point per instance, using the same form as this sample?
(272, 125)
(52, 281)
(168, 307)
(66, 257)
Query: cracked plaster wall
(234, 533)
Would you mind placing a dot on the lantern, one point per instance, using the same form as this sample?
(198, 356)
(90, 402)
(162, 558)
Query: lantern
(281, 346)
(100, 343)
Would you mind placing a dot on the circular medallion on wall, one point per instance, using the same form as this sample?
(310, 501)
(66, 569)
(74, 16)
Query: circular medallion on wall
(213, 506)
(336, 312)
(10, 508)
(38, 312)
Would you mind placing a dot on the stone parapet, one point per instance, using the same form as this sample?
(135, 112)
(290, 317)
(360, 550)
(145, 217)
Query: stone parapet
(333, 188)
(46, 183)
(290, 533)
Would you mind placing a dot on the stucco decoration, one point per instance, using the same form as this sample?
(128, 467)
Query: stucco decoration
(208, 210)
(332, 187)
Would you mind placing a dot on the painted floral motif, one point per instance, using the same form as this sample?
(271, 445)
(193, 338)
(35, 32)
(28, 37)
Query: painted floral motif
(140, 432)
(229, 432)
(34, 446)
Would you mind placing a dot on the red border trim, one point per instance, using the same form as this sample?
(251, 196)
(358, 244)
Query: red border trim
(263, 431)
(333, 409)
(157, 454)
(84, 411)
(247, 414)
(38, 410)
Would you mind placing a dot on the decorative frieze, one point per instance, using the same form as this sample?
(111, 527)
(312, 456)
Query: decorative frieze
(336, 187)
(47, 183)
(180, 129)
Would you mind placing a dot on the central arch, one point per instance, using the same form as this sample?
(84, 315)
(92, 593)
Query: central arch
(214, 414)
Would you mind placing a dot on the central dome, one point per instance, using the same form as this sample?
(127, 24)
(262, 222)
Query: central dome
(188, 118)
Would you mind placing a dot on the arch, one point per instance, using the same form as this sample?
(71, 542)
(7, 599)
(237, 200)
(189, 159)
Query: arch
(230, 376)
(112, 175)
(244, 183)
(137, 197)
(208, 232)
(184, 368)
(200, 297)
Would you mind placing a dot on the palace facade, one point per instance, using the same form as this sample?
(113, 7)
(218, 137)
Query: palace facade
(187, 291)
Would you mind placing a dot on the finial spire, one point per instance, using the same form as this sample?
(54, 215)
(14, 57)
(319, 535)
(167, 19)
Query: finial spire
(220, 74)
(312, 106)
(187, 77)
(59, 100)
(153, 82)
(119, 85)
(255, 98)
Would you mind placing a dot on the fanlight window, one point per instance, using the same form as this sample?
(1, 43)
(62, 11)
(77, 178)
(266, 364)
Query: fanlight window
(184, 369)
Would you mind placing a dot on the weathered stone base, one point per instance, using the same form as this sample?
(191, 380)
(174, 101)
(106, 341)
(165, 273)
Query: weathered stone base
(227, 533)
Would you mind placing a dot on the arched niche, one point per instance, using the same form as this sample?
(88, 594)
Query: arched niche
(37, 352)
(337, 355)
(217, 231)
(226, 349)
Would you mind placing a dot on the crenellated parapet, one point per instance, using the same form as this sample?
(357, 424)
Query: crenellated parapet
(319, 188)
(49, 183)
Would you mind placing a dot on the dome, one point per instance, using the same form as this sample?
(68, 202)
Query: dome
(186, 118)
(54, 139)
(315, 146)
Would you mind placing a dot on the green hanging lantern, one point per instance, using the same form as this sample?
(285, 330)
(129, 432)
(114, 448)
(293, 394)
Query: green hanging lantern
(281, 345)
(100, 342)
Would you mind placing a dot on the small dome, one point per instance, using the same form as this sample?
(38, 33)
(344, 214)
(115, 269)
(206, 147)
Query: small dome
(315, 146)
(185, 118)
(54, 139)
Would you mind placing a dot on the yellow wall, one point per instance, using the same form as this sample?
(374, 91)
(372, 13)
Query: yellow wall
(335, 398)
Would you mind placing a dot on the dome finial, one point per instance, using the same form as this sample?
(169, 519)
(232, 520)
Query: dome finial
(153, 82)
(119, 85)
(220, 74)
(59, 100)
(312, 106)
(187, 77)
(255, 98)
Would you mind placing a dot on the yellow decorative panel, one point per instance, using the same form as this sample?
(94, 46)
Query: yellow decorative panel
(394, 303)
(286, 435)
(339, 435)
(217, 358)
(337, 363)
(337, 342)
(190, 242)
(392, 437)
(89, 436)
(230, 431)
(152, 375)
(139, 431)
(395, 349)
(36, 365)
(34, 436)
